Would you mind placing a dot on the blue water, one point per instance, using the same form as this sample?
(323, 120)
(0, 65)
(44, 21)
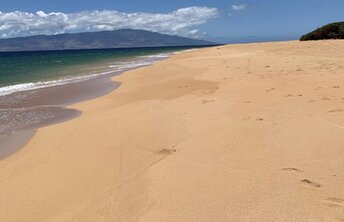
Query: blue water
(28, 70)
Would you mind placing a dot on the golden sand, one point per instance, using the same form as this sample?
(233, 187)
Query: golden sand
(251, 132)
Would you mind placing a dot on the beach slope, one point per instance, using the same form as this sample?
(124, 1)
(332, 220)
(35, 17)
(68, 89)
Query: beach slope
(251, 132)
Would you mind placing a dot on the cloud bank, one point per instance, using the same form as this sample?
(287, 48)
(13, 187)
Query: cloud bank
(180, 22)
(238, 7)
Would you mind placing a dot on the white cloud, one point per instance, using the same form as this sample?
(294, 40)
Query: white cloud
(238, 7)
(180, 22)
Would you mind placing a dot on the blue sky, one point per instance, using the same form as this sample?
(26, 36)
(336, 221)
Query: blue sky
(229, 19)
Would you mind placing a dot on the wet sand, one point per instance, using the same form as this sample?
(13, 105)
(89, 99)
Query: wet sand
(248, 132)
(11, 143)
(23, 113)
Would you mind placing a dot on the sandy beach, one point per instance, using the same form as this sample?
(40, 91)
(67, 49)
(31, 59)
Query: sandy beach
(247, 132)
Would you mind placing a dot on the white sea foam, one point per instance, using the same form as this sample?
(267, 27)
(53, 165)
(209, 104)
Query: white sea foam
(162, 55)
(38, 85)
(186, 50)
(115, 67)
(122, 66)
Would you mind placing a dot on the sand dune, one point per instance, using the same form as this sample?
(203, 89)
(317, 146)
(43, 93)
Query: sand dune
(251, 132)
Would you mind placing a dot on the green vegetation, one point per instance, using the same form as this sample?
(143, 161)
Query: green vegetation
(330, 31)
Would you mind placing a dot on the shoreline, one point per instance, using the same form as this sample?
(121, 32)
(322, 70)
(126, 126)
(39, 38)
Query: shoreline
(14, 142)
(57, 98)
(237, 132)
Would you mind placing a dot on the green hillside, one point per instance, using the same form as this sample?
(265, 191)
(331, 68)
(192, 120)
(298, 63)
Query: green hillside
(330, 31)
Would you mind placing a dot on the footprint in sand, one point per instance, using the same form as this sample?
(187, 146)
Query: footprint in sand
(186, 86)
(335, 110)
(292, 169)
(336, 87)
(325, 99)
(335, 202)
(268, 90)
(204, 101)
(260, 119)
(208, 92)
(310, 183)
(167, 151)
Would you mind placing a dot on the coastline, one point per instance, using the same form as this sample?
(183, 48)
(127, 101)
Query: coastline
(238, 132)
(52, 101)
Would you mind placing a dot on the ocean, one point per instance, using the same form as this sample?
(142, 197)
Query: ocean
(20, 71)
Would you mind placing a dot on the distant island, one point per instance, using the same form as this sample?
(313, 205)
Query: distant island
(330, 31)
(124, 38)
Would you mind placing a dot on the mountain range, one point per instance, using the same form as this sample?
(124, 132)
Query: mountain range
(124, 38)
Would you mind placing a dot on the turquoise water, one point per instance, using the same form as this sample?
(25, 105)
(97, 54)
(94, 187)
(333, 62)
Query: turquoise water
(25, 70)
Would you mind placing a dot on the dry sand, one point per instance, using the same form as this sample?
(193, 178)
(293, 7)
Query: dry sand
(236, 133)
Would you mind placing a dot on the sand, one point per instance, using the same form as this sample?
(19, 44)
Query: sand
(251, 132)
